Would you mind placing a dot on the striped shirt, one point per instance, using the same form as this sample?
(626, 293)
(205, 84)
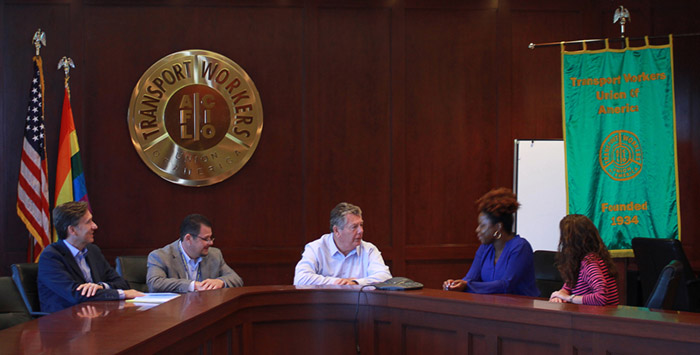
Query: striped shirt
(595, 283)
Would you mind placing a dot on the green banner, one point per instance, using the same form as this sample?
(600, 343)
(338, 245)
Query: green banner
(619, 133)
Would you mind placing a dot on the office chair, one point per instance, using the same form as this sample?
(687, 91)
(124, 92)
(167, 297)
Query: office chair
(547, 276)
(133, 270)
(664, 293)
(12, 308)
(25, 276)
(652, 255)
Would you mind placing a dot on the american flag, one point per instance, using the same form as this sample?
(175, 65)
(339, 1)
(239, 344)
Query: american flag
(33, 186)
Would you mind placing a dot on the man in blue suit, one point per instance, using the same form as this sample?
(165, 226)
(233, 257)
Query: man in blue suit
(73, 270)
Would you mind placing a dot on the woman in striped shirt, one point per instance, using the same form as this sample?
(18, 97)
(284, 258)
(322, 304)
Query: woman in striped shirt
(585, 265)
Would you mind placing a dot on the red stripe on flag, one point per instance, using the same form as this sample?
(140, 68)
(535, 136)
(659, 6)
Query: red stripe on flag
(31, 166)
(29, 192)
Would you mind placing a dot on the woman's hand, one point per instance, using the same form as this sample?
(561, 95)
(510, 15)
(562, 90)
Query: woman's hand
(454, 285)
(560, 296)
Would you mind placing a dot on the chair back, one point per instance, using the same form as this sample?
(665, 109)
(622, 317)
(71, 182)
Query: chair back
(664, 293)
(12, 308)
(547, 276)
(652, 255)
(25, 276)
(133, 269)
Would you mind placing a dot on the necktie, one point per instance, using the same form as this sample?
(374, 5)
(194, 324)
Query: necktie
(82, 263)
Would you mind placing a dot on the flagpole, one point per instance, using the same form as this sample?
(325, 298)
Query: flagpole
(66, 63)
(36, 224)
(70, 177)
(621, 39)
(63, 165)
(38, 39)
(30, 249)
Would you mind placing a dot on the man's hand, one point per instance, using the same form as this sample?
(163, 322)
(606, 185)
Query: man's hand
(346, 282)
(89, 289)
(208, 284)
(129, 294)
(90, 311)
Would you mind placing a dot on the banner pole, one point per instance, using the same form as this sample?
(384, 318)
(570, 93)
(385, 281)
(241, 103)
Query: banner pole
(580, 41)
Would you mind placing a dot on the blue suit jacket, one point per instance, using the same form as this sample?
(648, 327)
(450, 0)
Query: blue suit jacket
(59, 277)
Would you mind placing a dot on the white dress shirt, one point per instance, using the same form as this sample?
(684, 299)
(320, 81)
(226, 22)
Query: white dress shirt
(323, 264)
(191, 266)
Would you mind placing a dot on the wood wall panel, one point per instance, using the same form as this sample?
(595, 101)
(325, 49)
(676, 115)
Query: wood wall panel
(536, 89)
(450, 117)
(673, 19)
(349, 141)
(278, 273)
(432, 273)
(406, 108)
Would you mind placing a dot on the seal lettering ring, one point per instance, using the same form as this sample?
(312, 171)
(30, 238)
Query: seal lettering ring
(195, 118)
(621, 155)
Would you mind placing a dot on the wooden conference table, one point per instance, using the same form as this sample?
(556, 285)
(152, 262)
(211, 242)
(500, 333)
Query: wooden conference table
(320, 320)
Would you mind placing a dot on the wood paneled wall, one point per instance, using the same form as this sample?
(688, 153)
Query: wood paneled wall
(407, 108)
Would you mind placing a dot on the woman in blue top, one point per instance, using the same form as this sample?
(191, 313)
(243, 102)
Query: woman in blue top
(503, 263)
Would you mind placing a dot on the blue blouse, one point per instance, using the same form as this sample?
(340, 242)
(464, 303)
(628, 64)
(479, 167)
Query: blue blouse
(514, 273)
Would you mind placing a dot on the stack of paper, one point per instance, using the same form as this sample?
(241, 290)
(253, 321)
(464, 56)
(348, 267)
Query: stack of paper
(154, 298)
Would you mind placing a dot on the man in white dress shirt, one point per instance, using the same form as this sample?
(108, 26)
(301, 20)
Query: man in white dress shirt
(341, 257)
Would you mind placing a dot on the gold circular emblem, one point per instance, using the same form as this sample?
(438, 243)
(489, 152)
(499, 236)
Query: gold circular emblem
(621, 155)
(195, 117)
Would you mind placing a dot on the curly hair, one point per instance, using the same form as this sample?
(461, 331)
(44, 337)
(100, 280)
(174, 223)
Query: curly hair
(499, 205)
(579, 237)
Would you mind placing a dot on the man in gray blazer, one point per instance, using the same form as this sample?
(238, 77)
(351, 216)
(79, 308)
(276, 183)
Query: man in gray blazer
(190, 263)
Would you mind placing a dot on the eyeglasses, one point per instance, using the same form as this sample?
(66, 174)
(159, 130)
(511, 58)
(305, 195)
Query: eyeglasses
(206, 240)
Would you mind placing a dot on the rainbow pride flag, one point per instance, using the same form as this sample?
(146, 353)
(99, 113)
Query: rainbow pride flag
(70, 180)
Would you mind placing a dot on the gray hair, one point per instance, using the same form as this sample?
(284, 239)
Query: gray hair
(339, 212)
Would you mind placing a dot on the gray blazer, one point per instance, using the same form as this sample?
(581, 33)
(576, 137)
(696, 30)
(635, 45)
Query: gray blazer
(166, 272)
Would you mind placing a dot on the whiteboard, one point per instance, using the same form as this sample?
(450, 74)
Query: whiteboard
(539, 181)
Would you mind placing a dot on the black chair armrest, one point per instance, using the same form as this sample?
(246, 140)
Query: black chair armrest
(694, 294)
